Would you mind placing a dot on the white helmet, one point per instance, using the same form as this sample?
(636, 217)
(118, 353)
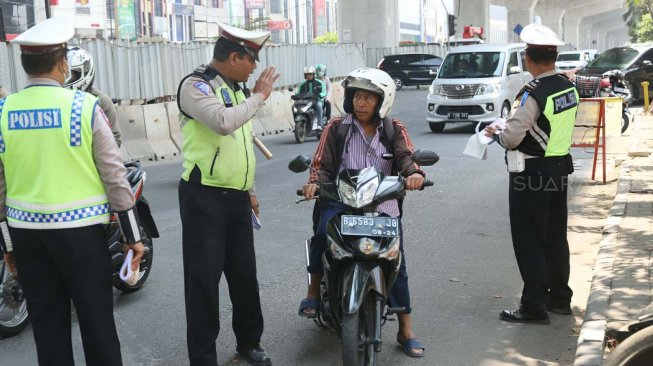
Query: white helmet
(82, 69)
(373, 80)
(309, 70)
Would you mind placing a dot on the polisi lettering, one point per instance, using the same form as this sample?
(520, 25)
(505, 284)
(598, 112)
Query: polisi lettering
(34, 119)
(564, 102)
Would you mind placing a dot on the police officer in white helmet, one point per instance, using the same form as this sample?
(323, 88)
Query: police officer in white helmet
(60, 174)
(537, 138)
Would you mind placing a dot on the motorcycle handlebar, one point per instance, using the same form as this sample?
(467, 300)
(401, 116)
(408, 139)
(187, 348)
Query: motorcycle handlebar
(427, 183)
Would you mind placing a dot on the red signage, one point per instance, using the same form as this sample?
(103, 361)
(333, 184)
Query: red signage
(279, 25)
(472, 32)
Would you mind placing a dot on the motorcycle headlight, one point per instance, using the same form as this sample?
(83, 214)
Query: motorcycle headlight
(294, 109)
(436, 89)
(338, 252)
(392, 252)
(306, 108)
(358, 199)
(487, 89)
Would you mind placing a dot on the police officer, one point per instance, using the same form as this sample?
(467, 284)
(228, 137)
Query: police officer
(537, 138)
(61, 173)
(216, 196)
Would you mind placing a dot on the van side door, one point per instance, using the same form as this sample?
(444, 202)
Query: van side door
(515, 73)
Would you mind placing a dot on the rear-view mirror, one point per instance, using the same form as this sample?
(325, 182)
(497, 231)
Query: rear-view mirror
(514, 70)
(299, 164)
(425, 157)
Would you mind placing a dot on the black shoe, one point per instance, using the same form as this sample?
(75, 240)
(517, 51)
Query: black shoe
(255, 356)
(563, 310)
(520, 316)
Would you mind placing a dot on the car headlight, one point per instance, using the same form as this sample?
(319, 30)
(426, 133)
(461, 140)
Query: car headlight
(436, 89)
(392, 252)
(358, 199)
(337, 252)
(487, 89)
(305, 109)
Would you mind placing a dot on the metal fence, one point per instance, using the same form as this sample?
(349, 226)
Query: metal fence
(130, 70)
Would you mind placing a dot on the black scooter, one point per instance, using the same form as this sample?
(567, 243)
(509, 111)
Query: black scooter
(303, 111)
(362, 259)
(13, 308)
(613, 84)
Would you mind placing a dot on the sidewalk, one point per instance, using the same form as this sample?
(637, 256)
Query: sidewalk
(622, 280)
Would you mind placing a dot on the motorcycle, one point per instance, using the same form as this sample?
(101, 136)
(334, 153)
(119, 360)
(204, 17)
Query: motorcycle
(637, 348)
(303, 111)
(362, 259)
(613, 84)
(13, 308)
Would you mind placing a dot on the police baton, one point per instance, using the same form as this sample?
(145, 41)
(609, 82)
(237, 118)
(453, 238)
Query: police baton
(264, 150)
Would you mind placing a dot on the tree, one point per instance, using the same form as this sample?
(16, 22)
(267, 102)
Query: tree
(636, 10)
(329, 37)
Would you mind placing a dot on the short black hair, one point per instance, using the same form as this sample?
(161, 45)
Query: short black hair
(41, 63)
(224, 47)
(542, 56)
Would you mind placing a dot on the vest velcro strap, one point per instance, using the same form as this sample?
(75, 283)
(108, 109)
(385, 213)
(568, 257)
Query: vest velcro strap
(130, 225)
(5, 239)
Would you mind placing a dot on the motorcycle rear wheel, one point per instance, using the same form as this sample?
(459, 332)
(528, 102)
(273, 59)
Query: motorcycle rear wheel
(624, 122)
(636, 350)
(357, 331)
(300, 131)
(146, 266)
(13, 311)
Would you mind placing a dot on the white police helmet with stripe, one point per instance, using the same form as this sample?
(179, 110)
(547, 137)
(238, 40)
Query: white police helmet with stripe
(47, 36)
(540, 37)
(251, 41)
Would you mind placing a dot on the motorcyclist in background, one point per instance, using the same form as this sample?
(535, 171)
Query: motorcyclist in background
(311, 85)
(82, 75)
(320, 73)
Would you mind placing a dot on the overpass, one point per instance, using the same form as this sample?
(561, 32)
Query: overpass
(580, 23)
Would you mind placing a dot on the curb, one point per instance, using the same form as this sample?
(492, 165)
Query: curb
(589, 351)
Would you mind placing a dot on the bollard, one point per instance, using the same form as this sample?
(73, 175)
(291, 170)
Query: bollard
(646, 101)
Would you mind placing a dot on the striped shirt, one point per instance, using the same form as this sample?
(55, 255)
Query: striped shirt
(360, 153)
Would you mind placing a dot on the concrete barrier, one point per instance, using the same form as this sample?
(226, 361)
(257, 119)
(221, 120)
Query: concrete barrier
(174, 124)
(276, 116)
(157, 131)
(132, 125)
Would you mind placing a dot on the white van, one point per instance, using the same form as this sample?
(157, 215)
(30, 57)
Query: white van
(572, 60)
(476, 83)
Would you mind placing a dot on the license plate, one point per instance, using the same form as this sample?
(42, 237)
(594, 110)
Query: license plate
(619, 90)
(458, 115)
(370, 226)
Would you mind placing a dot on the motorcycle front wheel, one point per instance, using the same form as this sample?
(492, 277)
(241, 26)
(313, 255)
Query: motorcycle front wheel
(146, 266)
(357, 332)
(624, 122)
(636, 350)
(13, 307)
(300, 131)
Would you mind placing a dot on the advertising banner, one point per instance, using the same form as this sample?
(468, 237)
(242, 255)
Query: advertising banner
(125, 21)
(279, 25)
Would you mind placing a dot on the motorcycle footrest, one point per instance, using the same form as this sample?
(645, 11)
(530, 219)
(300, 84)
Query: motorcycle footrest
(397, 310)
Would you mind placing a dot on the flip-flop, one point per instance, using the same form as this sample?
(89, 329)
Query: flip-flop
(309, 304)
(410, 347)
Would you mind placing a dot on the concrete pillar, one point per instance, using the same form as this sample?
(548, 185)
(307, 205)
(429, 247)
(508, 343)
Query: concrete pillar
(472, 12)
(519, 12)
(379, 27)
(588, 23)
(574, 15)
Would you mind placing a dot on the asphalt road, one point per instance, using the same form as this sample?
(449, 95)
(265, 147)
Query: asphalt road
(459, 254)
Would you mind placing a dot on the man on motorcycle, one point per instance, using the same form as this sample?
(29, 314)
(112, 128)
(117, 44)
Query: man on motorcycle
(82, 75)
(369, 94)
(311, 85)
(320, 73)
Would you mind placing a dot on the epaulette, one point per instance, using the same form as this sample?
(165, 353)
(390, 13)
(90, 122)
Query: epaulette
(205, 72)
(532, 85)
(564, 75)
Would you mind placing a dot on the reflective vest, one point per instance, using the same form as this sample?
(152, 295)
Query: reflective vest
(46, 146)
(224, 161)
(557, 99)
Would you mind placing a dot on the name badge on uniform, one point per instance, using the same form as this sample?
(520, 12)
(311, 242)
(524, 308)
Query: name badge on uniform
(226, 98)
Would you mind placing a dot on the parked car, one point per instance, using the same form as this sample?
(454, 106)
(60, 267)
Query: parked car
(476, 84)
(571, 60)
(411, 68)
(635, 61)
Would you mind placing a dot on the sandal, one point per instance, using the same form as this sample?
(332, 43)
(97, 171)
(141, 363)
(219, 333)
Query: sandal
(309, 304)
(411, 347)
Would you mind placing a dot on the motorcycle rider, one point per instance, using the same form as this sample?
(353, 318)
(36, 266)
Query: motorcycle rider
(320, 73)
(311, 85)
(369, 95)
(82, 70)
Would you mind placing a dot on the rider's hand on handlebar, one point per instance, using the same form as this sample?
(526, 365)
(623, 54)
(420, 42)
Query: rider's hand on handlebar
(265, 81)
(139, 250)
(414, 182)
(11, 263)
(309, 190)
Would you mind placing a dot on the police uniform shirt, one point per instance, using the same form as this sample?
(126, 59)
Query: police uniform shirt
(199, 101)
(106, 154)
(110, 111)
(523, 120)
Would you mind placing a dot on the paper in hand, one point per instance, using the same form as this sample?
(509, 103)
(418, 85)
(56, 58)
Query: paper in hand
(126, 274)
(498, 125)
(256, 223)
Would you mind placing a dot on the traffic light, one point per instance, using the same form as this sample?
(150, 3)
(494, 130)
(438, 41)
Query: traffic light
(451, 22)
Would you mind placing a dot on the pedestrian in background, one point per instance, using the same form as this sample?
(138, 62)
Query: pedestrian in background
(60, 172)
(216, 194)
(538, 138)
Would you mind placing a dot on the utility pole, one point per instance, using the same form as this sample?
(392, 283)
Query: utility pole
(47, 9)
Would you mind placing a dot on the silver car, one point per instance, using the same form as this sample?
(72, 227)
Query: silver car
(476, 84)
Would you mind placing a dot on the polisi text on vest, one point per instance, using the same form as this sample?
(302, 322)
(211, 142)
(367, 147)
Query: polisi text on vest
(34, 119)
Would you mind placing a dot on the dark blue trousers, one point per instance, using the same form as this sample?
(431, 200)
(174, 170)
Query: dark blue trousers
(399, 296)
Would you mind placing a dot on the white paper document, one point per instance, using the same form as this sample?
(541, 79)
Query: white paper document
(477, 144)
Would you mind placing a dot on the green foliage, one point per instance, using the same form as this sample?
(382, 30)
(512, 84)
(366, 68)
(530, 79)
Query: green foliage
(329, 37)
(638, 20)
(645, 29)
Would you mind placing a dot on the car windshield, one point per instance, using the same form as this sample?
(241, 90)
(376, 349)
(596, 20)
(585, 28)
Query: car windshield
(615, 58)
(471, 65)
(569, 57)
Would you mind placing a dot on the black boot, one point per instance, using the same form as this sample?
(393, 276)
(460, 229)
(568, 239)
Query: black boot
(254, 356)
(522, 316)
